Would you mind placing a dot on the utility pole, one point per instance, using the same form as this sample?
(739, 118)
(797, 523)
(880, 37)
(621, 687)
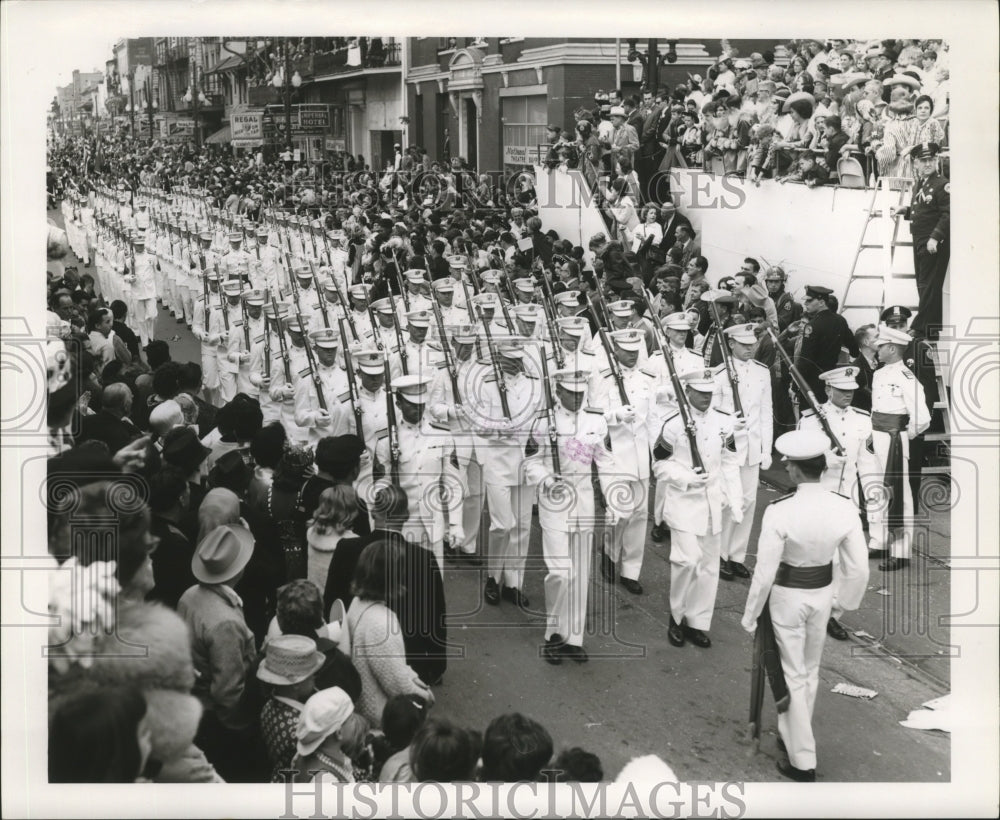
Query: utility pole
(131, 102)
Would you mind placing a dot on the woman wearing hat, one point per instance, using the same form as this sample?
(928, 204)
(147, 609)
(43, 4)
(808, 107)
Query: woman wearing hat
(318, 749)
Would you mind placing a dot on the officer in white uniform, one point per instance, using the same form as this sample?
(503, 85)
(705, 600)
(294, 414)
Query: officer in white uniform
(693, 506)
(208, 328)
(803, 535)
(265, 360)
(256, 327)
(853, 429)
(676, 327)
(754, 438)
(143, 281)
(566, 510)
(283, 389)
(899, 408)
(625, 480)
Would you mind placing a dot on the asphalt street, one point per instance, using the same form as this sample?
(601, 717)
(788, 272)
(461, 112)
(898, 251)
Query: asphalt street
(639, 695)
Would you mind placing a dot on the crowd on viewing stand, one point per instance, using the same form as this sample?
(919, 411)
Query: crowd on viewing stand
(277, 550)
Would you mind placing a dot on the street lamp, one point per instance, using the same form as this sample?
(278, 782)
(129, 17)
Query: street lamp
(652, 60)
(286, 88)
(150, 105)
(131, 102)
(195, 96)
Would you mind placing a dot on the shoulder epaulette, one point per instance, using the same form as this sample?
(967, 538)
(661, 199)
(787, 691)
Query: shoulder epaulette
(846, 498)
(603, 373)
(671, 417)
(718, 410)
(439, 425)
(489, 377)
(304, 372)
(862, 412)
(760, 364)
(783, 498)
(648, 373)
(595, 410)
(719, 368)
(528, 375)
(908, 373)
(808, 412)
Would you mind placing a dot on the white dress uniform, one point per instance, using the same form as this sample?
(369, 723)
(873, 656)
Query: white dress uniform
(695, 513)
(625, 478)
(508, 493)
(144, 296)
(753, 441)
(567, 514)
(800, 534)
(426, 450)
(265, 348)
(244, 382)
(209, 333)
(283, 392)
(685, 361)
(308, 413)
(230, 342)
(898, 404)
(467, 444)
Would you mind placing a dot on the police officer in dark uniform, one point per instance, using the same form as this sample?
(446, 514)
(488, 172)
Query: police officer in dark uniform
(918, 358)
(822, 339)
(929, 214)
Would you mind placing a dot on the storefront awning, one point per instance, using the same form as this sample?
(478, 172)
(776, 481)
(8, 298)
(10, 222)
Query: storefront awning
(223, 135)
(228, 64)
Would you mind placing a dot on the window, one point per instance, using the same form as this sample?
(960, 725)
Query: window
(524, 121)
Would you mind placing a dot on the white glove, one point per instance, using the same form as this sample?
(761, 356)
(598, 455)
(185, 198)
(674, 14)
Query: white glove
(749, 625)
(287, 391)
(765, 461)
(322, 418)
(696, 481)
(212, 338)
(233, 357)
(626, 415)
(244, 358)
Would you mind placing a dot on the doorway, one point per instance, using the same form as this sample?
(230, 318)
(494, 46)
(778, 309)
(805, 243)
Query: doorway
(471, 132)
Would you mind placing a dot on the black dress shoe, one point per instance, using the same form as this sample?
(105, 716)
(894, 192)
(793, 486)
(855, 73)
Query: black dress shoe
(576, 653)
(492, 592)
(894, 564)
(675, 633)
(697, 637)
(739, 570)
(608, 568)
(835, 630)
(515, 596)
(632, 585)
(552, 650)
(876, 554)
(659, 533)
(798, 775)
(725, 570)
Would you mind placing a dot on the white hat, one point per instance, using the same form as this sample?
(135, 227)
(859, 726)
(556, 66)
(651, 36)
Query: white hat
(325, 337)
(799, 445)
(383, 305)
(843, 378)
(283, 309)
(486, 300)
(701, 380)
(457, 262)
(464, 334)
(490, 277)
(297, 323)
(742, 333)
(575, 380)
(623, 307)
(254, 298)
(628, 339)
(509, 348)
(525, 285)
(617, 111)
(231, 288)
(890, 336)
(444, 285)
(303, 272)
(527, 312)
(413, 387)
(570, 298)
(370, 361)
(416, 276)
(359, 291)
(289, 659)
(677, 321)
(323, 714)
(419, 318)
(572, 325)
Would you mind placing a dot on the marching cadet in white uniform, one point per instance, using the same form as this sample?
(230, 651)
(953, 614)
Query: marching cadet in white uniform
(754, 439)
(419, 355)
(272, 264)
(308, 301)
(372, 395)
(359, 295)
(385, 330)
(188, 274)
(337, 257)
(416, 285)
(446, 407)
(336, 419)
(426, 450)
(853, 429)
(693, 506)
(265, 360)
(143, 281)
(283, 390)
(675, 328)
(235, 263)
(625, 479)
(898, 407)
(208, 328)
(444, 292)
(230, 342)
(509, 495)
(566, 510)
(802, 537)
(256, 327)
(573, 352)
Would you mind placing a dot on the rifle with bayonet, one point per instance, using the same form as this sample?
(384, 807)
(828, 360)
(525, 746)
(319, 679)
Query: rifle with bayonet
(616, 371)
(320, 300)
(495, 361)
(352, 385)
(449, 361)
(727, 360)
